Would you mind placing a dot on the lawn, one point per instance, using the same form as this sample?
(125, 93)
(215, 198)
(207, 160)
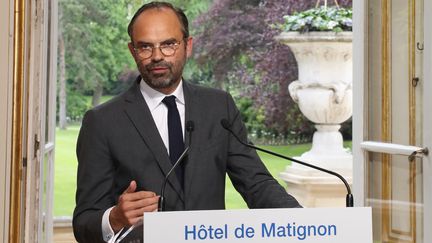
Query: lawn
(65, 171)
(66, 166)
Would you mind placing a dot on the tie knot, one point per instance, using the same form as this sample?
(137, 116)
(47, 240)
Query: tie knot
(169, 101)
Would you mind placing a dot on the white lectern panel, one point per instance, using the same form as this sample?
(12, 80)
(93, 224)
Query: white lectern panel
(336, 225)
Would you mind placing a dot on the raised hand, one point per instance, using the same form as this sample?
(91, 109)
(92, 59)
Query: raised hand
(131, 206)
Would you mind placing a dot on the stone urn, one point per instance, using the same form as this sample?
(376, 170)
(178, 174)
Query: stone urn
(323, 93)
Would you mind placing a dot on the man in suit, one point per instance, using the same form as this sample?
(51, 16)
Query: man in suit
(127, 145)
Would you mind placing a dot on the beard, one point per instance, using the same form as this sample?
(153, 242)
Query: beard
(163, 80)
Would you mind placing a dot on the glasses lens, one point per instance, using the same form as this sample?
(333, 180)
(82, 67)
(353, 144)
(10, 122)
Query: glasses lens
(146, 53)
(167, 50)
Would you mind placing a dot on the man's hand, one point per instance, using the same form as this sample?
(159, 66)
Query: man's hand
(131, 206)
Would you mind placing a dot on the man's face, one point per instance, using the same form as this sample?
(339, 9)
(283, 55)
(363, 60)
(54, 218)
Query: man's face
(156, 27)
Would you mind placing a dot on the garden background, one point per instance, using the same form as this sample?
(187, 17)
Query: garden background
(234, 50)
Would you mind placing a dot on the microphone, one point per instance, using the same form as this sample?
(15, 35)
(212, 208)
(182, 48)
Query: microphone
(161, 203)
(190, 126)
(349, 197)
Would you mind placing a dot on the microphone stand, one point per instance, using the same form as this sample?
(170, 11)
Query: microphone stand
(161, 202)
(349, 201)
(190, 126)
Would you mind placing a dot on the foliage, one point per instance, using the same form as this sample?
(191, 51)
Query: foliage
(236, 38)
(76, 106)
(251, 116)
(319, 19)
(95, 41)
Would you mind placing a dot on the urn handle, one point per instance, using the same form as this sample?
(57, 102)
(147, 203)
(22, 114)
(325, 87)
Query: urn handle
(339, 89)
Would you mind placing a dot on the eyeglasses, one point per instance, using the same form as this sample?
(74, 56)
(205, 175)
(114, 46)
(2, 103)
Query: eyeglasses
(168, 49)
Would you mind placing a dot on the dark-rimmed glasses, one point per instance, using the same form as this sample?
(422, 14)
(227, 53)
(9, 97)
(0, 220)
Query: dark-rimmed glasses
(168, 49)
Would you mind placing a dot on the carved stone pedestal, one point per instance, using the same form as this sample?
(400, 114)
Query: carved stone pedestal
(323, 92)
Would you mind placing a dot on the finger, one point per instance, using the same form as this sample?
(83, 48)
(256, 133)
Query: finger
(148, 202)
(146, 194)
(150, 208)
(131, 220)
(134, 196)
(129, 205)
(135, 220)
(139, 212)
(131, 188)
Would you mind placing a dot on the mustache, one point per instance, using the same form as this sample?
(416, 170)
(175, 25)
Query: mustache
(162, 64)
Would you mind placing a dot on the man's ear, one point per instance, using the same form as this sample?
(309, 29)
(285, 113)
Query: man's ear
(131, 49)
(189, 45)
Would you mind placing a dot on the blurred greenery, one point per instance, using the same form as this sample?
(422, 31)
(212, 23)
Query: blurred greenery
(66, 168)
(321, 18)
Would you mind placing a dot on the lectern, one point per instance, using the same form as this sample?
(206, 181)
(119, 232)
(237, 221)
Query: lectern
(332, 225)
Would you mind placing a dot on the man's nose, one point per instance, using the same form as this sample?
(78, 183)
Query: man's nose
(157, 54)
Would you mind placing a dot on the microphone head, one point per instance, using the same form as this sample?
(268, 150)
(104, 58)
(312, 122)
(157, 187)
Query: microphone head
(190, 126)
(225, 123)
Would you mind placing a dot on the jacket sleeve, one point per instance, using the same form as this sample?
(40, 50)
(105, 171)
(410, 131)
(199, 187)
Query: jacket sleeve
(94, 179)
(247, 172)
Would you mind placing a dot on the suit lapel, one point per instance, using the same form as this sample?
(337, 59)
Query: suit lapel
(191, 114)
(139, 114)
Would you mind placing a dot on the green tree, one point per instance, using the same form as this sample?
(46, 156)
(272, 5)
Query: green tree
(94, 41)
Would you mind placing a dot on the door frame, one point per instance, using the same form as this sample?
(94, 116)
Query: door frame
(32, 112)
(427, 121)
(360, 104)
(6, 74)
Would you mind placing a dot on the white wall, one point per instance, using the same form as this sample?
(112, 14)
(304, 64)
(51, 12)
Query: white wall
(6, 65)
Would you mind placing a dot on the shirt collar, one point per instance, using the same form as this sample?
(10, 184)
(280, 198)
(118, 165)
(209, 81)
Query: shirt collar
(154, 98)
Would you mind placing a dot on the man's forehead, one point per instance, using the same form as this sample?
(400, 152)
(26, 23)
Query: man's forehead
(157, 18)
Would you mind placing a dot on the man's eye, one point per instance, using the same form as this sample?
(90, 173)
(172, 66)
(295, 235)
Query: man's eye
(169, 44)
(145, 47)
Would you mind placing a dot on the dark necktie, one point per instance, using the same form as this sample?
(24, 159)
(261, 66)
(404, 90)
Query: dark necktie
(175, 134)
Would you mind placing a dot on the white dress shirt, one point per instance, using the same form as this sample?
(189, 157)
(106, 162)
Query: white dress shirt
(159, 112)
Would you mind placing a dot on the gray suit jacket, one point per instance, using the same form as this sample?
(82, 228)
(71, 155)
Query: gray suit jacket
(119, 142)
